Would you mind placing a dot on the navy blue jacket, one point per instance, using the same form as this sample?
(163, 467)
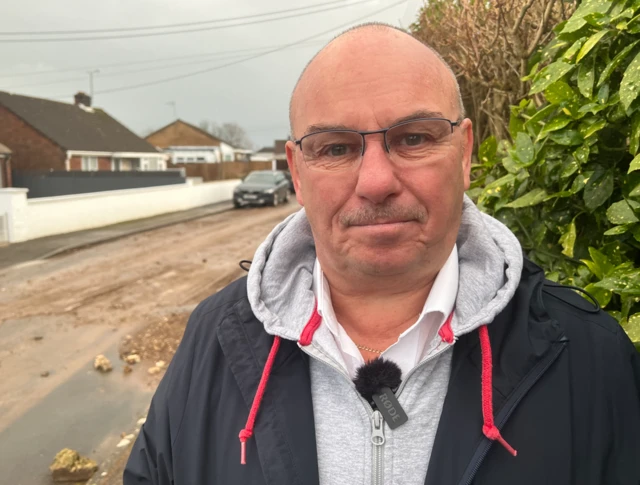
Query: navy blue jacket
(566, 394)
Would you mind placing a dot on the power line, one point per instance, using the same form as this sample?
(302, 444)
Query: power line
(222, 66)
(186, 31)
(135, 71)
(151, 61)
(165, 26)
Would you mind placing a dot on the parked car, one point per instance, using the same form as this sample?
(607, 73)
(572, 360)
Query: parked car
(262, 187)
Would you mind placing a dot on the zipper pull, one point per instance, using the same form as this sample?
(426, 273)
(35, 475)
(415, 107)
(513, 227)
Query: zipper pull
(377, 428)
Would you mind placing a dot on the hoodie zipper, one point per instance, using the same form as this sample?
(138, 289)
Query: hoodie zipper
(377, 452)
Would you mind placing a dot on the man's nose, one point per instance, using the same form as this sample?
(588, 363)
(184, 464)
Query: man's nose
(377, 175)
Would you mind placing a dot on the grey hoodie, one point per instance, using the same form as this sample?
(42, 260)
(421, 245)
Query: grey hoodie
(280, 292)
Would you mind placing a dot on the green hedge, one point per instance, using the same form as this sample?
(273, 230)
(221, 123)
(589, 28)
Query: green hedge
(569, 183)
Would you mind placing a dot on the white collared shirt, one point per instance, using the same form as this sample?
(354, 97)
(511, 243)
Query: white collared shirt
(414, 344)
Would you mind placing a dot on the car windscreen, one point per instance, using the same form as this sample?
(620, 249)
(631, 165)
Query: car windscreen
(260, 178)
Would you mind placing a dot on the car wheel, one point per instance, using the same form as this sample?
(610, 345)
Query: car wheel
(236, 205)
(276, 199)
(286, 196)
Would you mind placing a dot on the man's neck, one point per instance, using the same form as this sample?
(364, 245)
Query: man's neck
(375, 314)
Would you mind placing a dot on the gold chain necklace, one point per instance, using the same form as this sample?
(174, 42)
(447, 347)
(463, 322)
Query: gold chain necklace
(369, 349)
(374, 351)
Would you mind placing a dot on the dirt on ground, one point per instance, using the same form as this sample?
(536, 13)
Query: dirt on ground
(133, 295)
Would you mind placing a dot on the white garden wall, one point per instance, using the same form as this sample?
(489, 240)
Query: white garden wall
(46, 216)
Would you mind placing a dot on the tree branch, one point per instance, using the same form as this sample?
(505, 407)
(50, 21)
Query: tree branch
(541, 28)
(523, 12)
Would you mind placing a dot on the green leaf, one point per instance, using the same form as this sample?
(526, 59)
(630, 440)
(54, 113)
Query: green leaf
(614, 231)
(593, 128)
(632, 327)
(635, 192)
(510, 166)
(549, 75)
(530, 198)
(575, 47)
(568, 240)
(586, 77)
(634, 137)
(587, 7)
(590, 44)
(630, 85)
(502, 181)
(488, 150)
(602, 262)
(525, 152)
(621, 213)
(603, 94)
(635, 164)
(602, 296)
(625, 14)
(567, 137)
(598, 189)
(579, 182)
(570, 167)
(554, 125)
(615, 62)
(582, 154)
(636, 234)
(540, 115)
(560, 92)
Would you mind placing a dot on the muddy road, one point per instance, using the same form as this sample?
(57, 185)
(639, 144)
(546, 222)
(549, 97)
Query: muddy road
(133, 294)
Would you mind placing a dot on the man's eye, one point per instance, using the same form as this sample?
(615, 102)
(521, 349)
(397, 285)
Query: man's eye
(414, 140)
(337, 150)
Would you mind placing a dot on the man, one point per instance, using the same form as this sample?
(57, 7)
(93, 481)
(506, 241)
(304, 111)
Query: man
(389, 258)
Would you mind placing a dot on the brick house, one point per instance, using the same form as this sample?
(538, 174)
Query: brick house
(47, 135)
(186, 143)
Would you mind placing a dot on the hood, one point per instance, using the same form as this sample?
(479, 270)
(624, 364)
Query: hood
(280, 280)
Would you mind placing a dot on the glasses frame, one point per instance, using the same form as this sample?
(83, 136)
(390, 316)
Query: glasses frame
(384, 132)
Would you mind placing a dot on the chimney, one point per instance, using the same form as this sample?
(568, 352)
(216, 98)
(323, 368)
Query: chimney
(82, 99)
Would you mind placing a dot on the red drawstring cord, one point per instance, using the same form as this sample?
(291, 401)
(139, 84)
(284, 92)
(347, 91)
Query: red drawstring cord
(489, 429)
(247, 432)
(310, 328)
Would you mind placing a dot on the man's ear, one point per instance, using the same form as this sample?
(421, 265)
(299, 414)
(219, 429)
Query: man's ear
(466, 130)
(292, 156)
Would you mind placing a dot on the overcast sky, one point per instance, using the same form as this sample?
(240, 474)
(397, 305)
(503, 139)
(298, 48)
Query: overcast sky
(253, 93)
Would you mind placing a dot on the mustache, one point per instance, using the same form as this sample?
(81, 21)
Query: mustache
(383, 213)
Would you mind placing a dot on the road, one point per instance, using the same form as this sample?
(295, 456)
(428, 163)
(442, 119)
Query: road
(132, 294)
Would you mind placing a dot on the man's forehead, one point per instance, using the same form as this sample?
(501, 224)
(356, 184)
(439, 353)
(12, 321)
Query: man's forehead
(377, 70)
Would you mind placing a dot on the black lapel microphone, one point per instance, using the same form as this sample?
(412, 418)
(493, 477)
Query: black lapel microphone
(376, 381)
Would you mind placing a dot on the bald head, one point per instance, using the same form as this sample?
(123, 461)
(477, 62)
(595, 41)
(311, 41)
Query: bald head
(358, 43)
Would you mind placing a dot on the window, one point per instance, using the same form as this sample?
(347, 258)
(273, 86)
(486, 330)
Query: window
(89, 164)
(200, 159)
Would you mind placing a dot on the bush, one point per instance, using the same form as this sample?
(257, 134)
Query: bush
(569, 183)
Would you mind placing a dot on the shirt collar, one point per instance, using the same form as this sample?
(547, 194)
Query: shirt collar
(442, 296)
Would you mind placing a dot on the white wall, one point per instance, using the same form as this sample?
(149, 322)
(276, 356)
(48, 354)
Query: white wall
(228, 155)
(57, 215)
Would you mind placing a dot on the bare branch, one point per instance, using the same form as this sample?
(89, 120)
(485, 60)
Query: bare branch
(541, 28)
(523, 12)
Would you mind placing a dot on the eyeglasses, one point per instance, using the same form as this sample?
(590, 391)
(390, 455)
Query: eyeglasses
(407, 143)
